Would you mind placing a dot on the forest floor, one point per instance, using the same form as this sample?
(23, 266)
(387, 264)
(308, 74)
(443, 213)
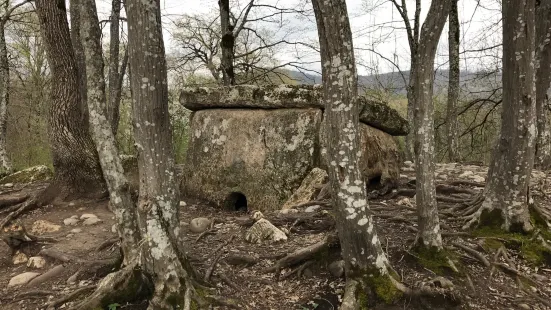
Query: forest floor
(72, 262)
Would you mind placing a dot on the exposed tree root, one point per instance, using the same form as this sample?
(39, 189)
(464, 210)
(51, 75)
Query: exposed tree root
(473, 252)
(70, 297)
(22, 208)
(107, 243)
(299, 270)
(229, 282)
(304, 254)
(32, 294)
(10, 201)
(467, 183)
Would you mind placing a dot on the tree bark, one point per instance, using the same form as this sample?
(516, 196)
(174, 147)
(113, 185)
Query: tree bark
(115, 75)
(76, 41)
(543, 80)
(506, 193)
(429, 224)
(227, 43)
(77, 172)
(361, 248)
(5, 163)
(165, 260)
(453, 84)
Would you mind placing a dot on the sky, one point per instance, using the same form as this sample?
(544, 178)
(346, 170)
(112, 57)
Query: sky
(376, 25)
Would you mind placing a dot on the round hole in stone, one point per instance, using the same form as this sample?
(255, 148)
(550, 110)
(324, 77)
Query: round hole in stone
(236, 201)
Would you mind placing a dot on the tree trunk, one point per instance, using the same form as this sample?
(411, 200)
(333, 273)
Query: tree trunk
(115, 86)
(74, 13)
(77, 172)
(165, 260)
(429, 226)
(410, 92)
(506, 193)
(453, 84)
(543, 80)
(227, 43)
(364, 258)
(5, 163)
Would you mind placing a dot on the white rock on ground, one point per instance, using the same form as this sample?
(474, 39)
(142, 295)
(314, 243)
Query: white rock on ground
(22, 279)
(199, 225)
(466, 174)
(311, 209)
(8, 185)
(264, 231)
(70, 221)
(88, 216)
(20, 258)
(37, 262)
(41, 226)
(76, 230)
(91, 221)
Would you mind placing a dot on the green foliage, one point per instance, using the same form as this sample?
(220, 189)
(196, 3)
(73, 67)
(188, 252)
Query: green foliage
(382, 286)
(433, 259)
(114, 306)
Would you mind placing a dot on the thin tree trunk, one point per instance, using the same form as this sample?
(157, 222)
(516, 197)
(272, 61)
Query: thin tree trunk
(429, 225)
(114, 74)
(77, 172)
(453, 84)
(543, 80)
(227, 43)
(361, 248)
(5, 163)
(410, 137)
(166, 261)
(506, 193)
(74, 12)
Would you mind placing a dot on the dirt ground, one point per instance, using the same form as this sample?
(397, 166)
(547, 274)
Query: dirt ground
(480, 287)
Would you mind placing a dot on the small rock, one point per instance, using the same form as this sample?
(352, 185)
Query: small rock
(69, 236)
(91, 221)
(478, 179)
(442, 282)
(88, 216)
(20, 258)
(524, 306)
(288, 211)
(70, 221)
(442, 177)
(311, 209)
(182, 204)
(199, 224)
(8, 185)
(41, 226)
(262, 231)
(114, 228)
(23, 278)
(408, 169)
(36, 262)
(336, 268)
(403, 176)
(76, 230)
(307, 273)
(74, 217)
(466, 174)
(73, 279)
(408, 163)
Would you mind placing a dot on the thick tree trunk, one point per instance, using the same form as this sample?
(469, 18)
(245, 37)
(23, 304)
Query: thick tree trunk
(227, 43)
(506, 193)
(429, 225)
(543, 80)
(115, 76)
(77, 172)
(5, 163)
(76, 41)
(453, 84)
(361, 248)
(165, 260)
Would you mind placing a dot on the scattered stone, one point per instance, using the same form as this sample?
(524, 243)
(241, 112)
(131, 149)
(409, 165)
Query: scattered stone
(408, 169)
(312, 209)
(199, 224)
(91, 221)
(336, 268)
(309, 186)
(69, 236)
(8, 185)
(442, 282)
(442, 177)
(478, 179)
(403, 176)
(408, 163)
(88, 216)
(76, 230)
(20, 258)
(524, 306)
(41, 226)
(182, 204)
(264, 231)
(22, 279)
(74, 217)
(37, 262)
(466, 174)
(114, 228)
(288, 211)
(70, 221)
(73, 279)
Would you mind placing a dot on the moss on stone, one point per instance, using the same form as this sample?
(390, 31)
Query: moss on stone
(32, 174)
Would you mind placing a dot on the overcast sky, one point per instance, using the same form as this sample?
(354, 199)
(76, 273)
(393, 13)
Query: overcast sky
(380, 28)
